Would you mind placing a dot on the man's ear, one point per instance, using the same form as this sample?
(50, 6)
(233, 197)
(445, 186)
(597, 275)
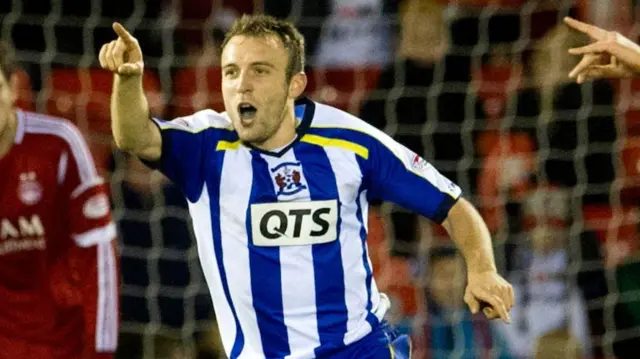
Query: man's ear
(297, 85)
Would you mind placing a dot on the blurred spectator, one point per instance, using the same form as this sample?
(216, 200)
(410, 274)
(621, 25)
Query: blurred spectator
(425, 92)
(483, 22)
(342, 33)
(355, 33)
(204, 50)
(451, 330)
(422, 33)
(163, 291)
(476, 26)
(505, 176)
(577, 123)
(422, 101)
(201, 25)
(547, 294)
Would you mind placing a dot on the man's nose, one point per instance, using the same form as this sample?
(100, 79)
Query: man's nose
(245, 82)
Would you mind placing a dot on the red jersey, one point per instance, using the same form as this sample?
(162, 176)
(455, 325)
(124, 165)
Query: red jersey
(58, 272)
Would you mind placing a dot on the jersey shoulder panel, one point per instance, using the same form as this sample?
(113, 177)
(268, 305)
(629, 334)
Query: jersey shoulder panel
(328, 117)
(62, 136)
(50, 129)
(198, 122)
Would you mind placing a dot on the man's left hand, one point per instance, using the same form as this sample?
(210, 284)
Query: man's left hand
(489, 292)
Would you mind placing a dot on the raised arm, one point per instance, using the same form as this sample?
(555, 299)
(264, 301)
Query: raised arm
(132, 127)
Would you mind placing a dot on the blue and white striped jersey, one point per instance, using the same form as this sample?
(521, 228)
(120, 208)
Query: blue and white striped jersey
(282, 235)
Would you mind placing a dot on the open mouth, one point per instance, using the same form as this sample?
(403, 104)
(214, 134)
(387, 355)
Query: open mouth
(247, 111)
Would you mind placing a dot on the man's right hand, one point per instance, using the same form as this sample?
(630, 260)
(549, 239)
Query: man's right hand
(623, 55)
(122, 56)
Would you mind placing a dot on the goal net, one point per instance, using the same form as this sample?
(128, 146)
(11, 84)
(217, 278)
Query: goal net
(478, 88)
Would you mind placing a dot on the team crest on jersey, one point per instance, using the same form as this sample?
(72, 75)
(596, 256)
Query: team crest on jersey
(29, 190)
(288, 178)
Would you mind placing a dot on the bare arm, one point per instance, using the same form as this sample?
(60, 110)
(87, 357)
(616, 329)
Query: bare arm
(132, 128)
(465, 226)
(486, 289)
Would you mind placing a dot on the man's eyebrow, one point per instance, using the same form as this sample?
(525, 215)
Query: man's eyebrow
(262, 63)
(256, 63)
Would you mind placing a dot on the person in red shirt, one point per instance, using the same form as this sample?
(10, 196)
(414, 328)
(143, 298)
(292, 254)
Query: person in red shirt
(58, 267)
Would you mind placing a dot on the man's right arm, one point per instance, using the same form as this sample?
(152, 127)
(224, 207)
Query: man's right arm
(133, 130)
(174, 147)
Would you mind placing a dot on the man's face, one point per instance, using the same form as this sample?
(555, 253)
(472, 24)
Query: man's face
(7, 101)
(447, 282)
(254, 85)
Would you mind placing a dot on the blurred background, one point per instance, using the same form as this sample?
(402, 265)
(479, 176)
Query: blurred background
(478, 87)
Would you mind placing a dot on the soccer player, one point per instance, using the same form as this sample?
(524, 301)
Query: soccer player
(58, 280)
(622, 55)
(278, 189)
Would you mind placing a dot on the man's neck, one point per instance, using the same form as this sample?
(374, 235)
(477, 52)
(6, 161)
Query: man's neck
(8, 134)
(283, 136)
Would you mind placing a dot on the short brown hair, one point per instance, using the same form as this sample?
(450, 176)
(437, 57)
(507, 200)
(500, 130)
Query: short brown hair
(8, 62)
(264, 25)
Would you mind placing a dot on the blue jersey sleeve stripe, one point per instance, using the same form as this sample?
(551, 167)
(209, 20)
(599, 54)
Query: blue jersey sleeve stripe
(187, 143)
(186, 174)
(389, 146)
(364, 138)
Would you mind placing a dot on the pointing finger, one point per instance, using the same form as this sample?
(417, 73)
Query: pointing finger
(594, 32)
(123, 34)
(495, 302)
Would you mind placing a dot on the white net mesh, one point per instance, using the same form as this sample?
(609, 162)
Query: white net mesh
(480, 91)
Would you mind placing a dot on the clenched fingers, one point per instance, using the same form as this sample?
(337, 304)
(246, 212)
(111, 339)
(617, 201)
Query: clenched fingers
(111, 63)
(496, 303)
(102, 56)
(118, 53)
